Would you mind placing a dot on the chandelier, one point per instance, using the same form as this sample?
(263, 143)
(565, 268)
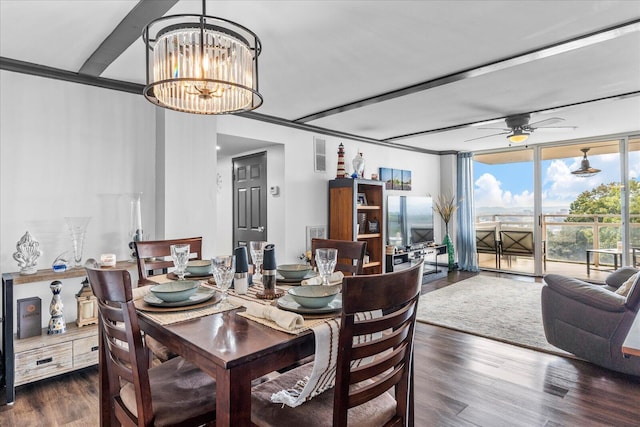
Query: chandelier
(585, 170)
(201, 64)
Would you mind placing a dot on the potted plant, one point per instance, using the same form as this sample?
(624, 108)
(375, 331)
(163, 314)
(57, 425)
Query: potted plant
(445, 205)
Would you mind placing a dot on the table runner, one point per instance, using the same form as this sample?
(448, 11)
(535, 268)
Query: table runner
(323, 375)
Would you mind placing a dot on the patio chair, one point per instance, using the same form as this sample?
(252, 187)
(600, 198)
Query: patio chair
(173, 393)
(486, 243)
(516, 243)
(350, 254)
(379, 393)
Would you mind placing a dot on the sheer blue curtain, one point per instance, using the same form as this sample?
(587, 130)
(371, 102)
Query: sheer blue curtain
(466, 236)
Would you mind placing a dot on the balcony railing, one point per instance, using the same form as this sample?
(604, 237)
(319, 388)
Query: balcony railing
(567, 237)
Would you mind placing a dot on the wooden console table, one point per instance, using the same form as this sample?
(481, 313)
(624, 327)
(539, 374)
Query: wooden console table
(67, 352)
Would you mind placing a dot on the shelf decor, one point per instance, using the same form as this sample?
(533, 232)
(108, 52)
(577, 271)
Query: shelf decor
(56, 323)
(27, 254)
(87, 305)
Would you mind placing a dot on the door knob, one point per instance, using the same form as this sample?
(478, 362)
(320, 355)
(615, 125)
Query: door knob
(261, 229)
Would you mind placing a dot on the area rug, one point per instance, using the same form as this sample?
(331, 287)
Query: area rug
(501, 309)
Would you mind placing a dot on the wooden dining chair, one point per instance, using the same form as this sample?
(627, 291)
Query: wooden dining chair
(350, 254)
(155, 255)
(173, 393)
(376, 394)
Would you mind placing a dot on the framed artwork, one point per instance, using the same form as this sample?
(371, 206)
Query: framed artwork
(397, 179)
(387, 177)
(406, 180)
(362, 199)
(315, 232)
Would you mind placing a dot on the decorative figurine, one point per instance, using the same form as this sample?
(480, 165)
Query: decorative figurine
(28, 252)
(56, 323)
(341, 170)
(358, 166)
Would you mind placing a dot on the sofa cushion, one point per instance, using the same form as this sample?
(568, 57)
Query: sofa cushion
(618, 277)
(626, 286)
(587, 293)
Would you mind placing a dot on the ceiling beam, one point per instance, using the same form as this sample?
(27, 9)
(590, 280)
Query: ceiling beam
(23, 67)
(466, 125)
(69, 76)
(530, 56)
(124, 35)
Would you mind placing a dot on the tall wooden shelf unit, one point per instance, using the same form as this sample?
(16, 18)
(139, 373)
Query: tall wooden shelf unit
(343, 218)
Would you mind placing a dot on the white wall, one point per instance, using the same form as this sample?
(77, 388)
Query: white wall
(70, 150)
(74, 150)
(304, 193)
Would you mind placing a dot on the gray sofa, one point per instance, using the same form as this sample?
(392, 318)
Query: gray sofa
(591, 321)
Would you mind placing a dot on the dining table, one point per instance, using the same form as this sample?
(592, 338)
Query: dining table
(229, 346)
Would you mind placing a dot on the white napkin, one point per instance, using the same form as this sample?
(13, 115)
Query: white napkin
(141, 291)
(284, 319)
(334, 279)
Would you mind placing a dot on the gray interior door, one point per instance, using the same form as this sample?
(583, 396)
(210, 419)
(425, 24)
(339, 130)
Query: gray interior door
(249, 198)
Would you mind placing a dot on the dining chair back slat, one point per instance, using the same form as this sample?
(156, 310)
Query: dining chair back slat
(155, 255)
(350, 254)
(140, 395)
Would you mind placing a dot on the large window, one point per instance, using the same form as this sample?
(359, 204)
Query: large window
(568, 213)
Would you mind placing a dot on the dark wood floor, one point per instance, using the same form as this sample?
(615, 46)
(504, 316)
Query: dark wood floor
(461, 380)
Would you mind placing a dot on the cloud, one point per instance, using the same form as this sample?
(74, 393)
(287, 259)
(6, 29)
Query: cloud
(489, 193)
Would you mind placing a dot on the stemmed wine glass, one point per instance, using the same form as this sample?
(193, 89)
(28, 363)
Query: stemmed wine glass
(326, 259)
(180, 255)
(224, 268)
(257, 255)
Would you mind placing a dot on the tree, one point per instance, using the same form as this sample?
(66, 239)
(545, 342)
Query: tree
(571, 242)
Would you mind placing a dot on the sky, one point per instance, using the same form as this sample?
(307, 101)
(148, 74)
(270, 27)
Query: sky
(511, 185)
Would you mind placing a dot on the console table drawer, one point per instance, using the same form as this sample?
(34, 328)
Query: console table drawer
(43, 362)
(85, 352)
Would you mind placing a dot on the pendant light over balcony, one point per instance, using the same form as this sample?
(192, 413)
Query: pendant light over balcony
(201, 64)
(585, 168)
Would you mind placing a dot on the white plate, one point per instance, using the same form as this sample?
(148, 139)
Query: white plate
(286, 302)
(202, 294)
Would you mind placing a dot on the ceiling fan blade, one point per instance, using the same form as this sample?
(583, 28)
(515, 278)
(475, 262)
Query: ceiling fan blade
(554, 127)
(503, 129)
(545, 122)
(487, 136)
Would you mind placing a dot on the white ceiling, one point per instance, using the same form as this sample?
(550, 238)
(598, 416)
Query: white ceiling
(320, 55)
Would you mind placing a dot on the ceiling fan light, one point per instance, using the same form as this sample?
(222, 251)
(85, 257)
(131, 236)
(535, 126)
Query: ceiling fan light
(518, 136)
(201, 64)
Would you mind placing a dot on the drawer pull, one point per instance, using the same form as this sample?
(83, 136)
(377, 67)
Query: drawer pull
(43, 361)
(95, 348)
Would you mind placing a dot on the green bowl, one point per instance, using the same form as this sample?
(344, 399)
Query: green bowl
(293, 271)
(199, 267)
(175, 291)
(314, 296)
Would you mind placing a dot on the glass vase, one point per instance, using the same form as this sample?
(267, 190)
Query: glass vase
(450, 251)
(136, 233)
(77, 229)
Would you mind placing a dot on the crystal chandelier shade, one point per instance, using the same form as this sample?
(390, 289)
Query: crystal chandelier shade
(202, 65)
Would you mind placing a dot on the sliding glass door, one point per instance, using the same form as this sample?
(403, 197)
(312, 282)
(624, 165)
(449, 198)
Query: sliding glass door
(504, 203)
(552, 208)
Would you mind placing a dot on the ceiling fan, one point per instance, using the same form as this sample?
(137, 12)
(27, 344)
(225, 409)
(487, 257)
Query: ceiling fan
(518, 127)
